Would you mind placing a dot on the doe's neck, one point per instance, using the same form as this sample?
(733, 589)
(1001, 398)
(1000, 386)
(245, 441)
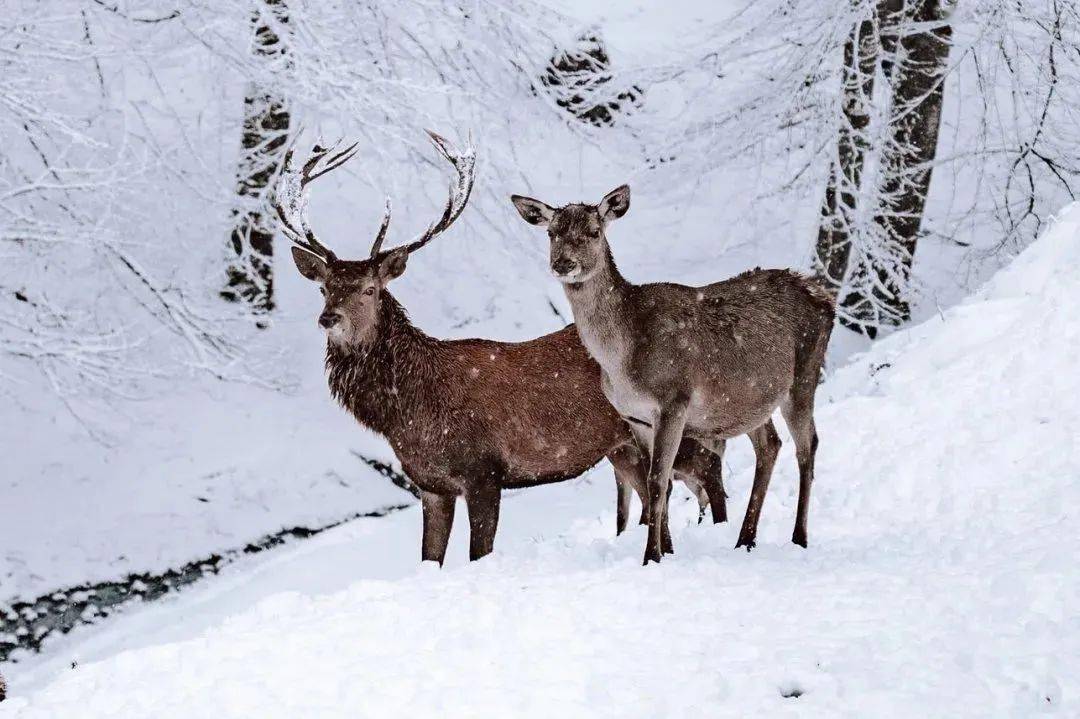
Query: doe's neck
(601, 296)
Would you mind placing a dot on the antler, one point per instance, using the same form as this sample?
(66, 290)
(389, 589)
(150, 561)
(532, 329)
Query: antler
(464, 163)
(291, 200)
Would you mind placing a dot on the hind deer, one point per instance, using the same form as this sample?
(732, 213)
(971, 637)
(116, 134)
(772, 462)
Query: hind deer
(465, 417)
(708, 362)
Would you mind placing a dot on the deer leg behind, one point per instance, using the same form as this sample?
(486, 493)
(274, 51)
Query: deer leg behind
(482, 502)
(766, 446)
(643, 441)
(438, 510)
(627, 463)
(667, 434)
(714, 482)
(666, 545)
(699, 464)
(622, 504)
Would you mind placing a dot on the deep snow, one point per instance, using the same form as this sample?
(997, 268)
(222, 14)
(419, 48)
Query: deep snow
(940, 579)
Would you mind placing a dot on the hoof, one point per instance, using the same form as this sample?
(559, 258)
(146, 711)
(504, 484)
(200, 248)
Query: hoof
(799, 539)
(748, 543)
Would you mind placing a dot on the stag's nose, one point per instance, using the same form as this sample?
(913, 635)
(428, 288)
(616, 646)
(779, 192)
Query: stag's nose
(329, 319)
(563, 266)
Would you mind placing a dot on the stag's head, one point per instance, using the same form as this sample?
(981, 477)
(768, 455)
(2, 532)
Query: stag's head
(353, 289)
(577, 232)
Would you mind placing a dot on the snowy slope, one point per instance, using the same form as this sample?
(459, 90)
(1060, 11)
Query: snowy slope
(941, 575)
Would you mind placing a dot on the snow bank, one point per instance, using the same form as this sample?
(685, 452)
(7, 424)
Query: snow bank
(941, 576)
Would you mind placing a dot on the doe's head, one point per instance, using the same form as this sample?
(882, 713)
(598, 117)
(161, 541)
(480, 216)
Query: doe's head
(353, 289)
(576, 232)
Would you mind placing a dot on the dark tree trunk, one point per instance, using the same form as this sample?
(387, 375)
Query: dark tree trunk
(266, 126)
(916, 83)
(833, 250)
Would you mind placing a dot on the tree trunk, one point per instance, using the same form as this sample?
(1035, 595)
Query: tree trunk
(833, 250)
(265, 133)
(880, 286)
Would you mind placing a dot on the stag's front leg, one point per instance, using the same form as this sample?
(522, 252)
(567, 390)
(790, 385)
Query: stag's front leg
(438, 519)
(629, 475)
(482, 502)
(667, 434)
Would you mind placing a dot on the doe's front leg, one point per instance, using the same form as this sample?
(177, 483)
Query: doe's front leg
(667, 434)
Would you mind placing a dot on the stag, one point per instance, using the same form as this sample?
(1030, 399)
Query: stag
(466, 418)
(708, 362)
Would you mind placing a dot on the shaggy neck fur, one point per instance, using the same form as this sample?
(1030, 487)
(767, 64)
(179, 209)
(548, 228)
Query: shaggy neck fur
(381, 383)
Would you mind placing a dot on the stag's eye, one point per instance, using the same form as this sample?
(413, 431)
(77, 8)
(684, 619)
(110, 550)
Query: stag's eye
(369, 291)
(322, 290)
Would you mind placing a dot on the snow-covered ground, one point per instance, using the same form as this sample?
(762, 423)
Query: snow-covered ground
(941, 577)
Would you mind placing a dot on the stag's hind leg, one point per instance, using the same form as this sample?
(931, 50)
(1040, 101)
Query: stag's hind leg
(766, 446)
(482, 502)
(622, 504)
(699, 466)
(438, 510)
(714, 482)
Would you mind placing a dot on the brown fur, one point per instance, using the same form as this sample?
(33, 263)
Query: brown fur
(472, 417)
(465, 417)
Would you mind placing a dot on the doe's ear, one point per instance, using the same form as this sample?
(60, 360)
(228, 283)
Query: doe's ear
(533, 211)
(615, 203)
(393, 265)
(311, 266)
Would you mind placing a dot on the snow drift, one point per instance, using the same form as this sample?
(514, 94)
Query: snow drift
(940, 575)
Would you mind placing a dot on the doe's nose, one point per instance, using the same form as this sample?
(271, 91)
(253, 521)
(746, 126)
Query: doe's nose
(563, 265)
(329, 319)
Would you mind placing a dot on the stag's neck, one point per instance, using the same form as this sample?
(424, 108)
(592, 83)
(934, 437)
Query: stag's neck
(383, 384)
(600, 309)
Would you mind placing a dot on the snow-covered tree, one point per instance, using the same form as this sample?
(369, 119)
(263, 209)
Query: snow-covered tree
(865, 102)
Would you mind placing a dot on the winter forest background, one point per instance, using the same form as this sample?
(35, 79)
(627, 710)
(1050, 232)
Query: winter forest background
(161, 390)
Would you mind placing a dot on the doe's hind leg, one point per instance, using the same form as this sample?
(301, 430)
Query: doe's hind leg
(766, 446)
(799, 417)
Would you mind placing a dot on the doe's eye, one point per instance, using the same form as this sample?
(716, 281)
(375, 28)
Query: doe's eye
(322, 290)
(369, 291)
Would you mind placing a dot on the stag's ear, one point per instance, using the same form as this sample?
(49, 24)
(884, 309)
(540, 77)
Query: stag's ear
(533, 211)
(615, 203)
(393, 264)
(311, 266)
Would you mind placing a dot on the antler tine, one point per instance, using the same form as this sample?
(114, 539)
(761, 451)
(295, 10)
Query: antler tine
(290, 200)
(333, 163)
(464, 163)
(286, 168)
(377, 247)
